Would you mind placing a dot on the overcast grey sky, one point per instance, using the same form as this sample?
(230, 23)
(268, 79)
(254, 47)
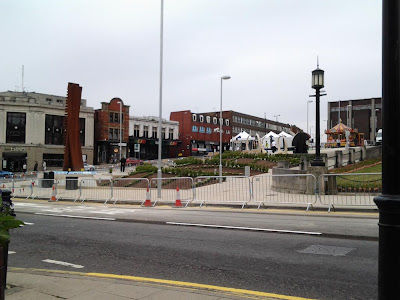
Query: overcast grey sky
(269, 48)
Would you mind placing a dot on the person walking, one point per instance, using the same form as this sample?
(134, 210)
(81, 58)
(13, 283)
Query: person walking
(35, 166)
(123, 162)
(44, 166)
(24, 167)
(273, 147)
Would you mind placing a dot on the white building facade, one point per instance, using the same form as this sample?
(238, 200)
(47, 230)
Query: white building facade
(143, 137)
(32, 130)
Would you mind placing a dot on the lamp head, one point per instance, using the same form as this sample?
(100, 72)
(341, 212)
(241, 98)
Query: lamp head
(226, 77)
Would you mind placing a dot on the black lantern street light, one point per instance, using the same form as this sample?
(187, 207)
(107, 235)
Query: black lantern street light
(317, 84)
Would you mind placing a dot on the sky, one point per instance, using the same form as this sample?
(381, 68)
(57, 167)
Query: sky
(268, 47)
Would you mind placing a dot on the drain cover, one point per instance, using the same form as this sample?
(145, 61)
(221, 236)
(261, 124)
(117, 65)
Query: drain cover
(326, 250)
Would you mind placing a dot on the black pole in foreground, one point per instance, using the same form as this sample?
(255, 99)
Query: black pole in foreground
(389, 202)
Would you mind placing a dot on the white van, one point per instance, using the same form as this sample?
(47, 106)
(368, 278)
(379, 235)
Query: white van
(378, 139)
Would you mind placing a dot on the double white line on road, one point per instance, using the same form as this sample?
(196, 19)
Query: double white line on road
(245, 228)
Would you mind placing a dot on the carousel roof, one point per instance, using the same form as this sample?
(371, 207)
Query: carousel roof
(340, 128)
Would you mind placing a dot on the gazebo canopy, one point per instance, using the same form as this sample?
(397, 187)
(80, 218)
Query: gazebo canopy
(339, 129)
(242, 137)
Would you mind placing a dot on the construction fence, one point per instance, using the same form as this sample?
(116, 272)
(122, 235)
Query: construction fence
(300, 190)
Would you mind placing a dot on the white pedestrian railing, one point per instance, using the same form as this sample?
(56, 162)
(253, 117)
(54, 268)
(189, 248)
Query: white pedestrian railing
(95, 189)
(129, 189)
(350, 189)
(299, 189)
(224, 189)
(169, 188)
(42, 188)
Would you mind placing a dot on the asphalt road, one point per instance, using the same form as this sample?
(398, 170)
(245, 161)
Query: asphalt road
(288, 264)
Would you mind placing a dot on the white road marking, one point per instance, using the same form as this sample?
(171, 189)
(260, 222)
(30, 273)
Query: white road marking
(50, 261)
(27, 223)
(29, 204)
(245, 228)
(11, 252)
(77, 217)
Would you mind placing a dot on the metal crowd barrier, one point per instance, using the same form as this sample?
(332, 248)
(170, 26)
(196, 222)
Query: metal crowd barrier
(284, 189)
(95, 189)
(42, 188)
(231, 189)
(351, 189)
(169, 187)
(129, 189)
(6, 183)
(22, 188)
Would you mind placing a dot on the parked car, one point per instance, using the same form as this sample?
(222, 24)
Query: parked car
(88, 167)
(6, 174)
(132, 161)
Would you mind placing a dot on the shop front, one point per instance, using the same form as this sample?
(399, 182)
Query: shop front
(13, 161)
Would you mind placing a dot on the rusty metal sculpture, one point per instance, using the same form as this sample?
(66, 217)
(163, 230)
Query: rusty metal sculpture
(73, 152)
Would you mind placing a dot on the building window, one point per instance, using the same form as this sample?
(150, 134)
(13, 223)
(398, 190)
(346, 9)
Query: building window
(208, 118)
(201, 118)
(208, 130)
(194, 128)
(16, 123)
(146, 131)
(54, 133)
(115, 136)
(194, 117)
(154, 133)
(228, 132)
(215, 120)
(111, 114)
(163, 133)
(201, 129)
(227, 122)
(221, 121)
(136, 130)
(116, 119)
(171, 134)
(82, 131)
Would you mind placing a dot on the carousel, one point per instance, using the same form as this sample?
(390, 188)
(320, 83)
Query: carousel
(338, 136)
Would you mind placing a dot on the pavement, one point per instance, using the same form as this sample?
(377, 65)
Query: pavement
(51, 284)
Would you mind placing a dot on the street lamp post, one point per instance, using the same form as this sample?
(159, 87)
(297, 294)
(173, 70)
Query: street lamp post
(389, 201)
(120, 130)
(317, 84)
(308, 102)
(159, 170)
(221, 120)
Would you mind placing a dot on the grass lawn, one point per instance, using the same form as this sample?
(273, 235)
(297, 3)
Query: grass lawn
(361, 182)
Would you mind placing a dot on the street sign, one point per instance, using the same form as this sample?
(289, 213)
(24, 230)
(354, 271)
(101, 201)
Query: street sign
(137, 147)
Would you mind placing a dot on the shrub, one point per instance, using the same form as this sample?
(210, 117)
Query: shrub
(146, 168)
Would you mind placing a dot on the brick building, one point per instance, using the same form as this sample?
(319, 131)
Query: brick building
(363, 114)
(111, 126)
(199, 132)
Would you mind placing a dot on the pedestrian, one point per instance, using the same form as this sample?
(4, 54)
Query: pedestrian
(273, 146)
(338, 142)
(35, 166)
(24, 167)
(123, 162)
(44, 166)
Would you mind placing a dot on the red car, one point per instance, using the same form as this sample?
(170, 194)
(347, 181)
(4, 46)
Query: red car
(132, 161)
